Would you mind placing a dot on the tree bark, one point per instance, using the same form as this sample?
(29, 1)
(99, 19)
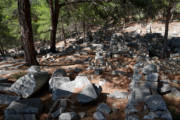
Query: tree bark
(24, 11)
(54, 11)
(168, 18)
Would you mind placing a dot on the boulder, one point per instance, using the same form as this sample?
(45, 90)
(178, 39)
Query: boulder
(30, 83)
(81, 86)
(55, 82)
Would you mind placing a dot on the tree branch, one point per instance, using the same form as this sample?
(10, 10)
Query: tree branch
(82, 1)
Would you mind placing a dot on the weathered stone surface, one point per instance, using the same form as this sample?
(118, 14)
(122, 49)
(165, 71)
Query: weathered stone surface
(7, 99)
(150, 68)
(98, 116)
(104, 108)
(69, 116)
(56, 113)
(118, 95)
(81, 86)
(29, 84)
(55, 82)
(33, 69)
(21, 117)
(155, 103)
(153, 77)
(23, 107)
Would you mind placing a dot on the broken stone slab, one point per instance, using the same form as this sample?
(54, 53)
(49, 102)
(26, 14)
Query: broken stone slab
(155, 103)
(98, 116)
(7, 99)
(30, 83)
(153, 77)
(150, 68)
(81, 86)
(104, 108)
(55, 82)
(69, 116)
(118, 95)
(21, 117)
(26, 106)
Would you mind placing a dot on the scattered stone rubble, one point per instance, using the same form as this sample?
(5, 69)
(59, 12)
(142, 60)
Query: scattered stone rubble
(144, 92)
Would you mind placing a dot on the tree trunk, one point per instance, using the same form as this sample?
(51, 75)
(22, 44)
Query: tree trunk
(24, 11)
(168, 18)
(54, 11)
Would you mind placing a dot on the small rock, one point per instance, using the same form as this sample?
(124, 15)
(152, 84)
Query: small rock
(7, 99)
(153, 77)
(26, 106)
(33, 69)
(151, 116)
(104, 108)
(69, 116)
(132, 117)
(59, 73)
(118, 95)
(175, 93)
(151, 68)
(57, 112)
(155, 102)
(98, 116)
(82, 114)
(165, 88)
(21, 117)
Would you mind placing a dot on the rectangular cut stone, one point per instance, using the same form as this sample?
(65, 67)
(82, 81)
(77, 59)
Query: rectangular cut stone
(30, 83)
